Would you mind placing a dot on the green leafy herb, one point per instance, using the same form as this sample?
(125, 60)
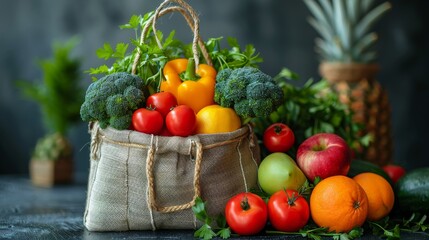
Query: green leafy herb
(233, 58)
(311, 231)
(382, 228)
(206, 231)
(153, 57)
(392, 228)
(59, 93)
(311, 109)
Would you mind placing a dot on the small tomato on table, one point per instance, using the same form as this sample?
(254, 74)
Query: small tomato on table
(278, 137)
(246, 213)
(288, 211)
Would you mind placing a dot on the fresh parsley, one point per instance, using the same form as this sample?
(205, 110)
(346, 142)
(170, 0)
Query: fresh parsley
(311, 231)
(391, 228)
(153, 57)
(206, 231)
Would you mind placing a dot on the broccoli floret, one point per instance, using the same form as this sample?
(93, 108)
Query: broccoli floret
(223, 75)
(134, 96)
(249, 91)
(121, 122)
(116, 105)
(84, 112)
(112, 99)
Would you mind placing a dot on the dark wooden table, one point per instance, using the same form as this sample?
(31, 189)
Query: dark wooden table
(28, 212)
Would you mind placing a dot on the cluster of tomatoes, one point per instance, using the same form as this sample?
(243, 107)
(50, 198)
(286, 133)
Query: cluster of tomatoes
(248, 213)
(163, 116)
(286, 210)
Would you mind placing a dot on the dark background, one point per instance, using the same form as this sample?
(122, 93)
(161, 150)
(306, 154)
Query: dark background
(277, 28)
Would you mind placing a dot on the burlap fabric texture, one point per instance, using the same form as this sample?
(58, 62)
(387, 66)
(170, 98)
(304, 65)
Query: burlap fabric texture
(144, 182)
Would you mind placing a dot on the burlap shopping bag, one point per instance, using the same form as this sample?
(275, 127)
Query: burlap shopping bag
(139, 181)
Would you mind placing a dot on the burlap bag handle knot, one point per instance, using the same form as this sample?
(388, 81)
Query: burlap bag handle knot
(191, 18)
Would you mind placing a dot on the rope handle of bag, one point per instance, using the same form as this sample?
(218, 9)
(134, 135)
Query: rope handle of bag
(150, 163)
(193, 22)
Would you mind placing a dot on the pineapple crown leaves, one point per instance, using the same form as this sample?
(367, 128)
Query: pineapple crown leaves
(345, 28)
(59, 93)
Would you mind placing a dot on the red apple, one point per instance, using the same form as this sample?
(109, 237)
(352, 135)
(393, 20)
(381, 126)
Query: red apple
(324, 155)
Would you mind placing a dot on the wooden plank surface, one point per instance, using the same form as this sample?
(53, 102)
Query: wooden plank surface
(28, 212)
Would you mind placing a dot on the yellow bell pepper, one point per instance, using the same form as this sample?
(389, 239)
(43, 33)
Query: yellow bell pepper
(217, 119)
(193, 91)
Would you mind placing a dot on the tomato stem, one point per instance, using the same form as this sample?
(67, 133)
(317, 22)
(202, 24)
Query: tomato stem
(277, 129)
(245, 203)
(291, 199)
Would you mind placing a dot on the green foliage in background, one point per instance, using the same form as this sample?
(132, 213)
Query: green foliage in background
(58, 94)
(310, 109)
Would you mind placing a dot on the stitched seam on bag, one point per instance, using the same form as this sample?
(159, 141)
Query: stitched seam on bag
(89, 192)
(252, 153)
(241, 167)
(127, 216)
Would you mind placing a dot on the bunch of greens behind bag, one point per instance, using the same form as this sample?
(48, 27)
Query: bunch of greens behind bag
(139, 181)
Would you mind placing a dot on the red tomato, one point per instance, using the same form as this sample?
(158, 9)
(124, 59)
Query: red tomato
(246, 213)
(147, 121)
(163, 102)
(288, 211)
(164, 132)
(181, 121)
(278, 137)
(395, 172)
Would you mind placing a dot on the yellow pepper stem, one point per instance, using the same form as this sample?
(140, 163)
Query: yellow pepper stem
(190, 73)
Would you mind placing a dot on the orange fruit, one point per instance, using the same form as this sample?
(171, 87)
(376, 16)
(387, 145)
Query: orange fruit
(379, 192)
(339, 204)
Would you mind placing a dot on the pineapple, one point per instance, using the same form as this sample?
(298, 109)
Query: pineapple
(348, 63)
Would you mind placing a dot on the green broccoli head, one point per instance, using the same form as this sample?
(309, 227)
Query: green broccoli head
(117, 105)
(121, 122)
(249, 91)
(134, 96)
(112, 99)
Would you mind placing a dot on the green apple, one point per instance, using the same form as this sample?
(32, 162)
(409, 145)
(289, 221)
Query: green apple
(278, 171)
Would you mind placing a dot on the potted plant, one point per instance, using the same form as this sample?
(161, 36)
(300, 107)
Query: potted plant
(348, 63)
(59, 97)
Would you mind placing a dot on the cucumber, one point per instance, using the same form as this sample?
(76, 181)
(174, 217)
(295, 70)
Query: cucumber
(412, 191)
(358, 166)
